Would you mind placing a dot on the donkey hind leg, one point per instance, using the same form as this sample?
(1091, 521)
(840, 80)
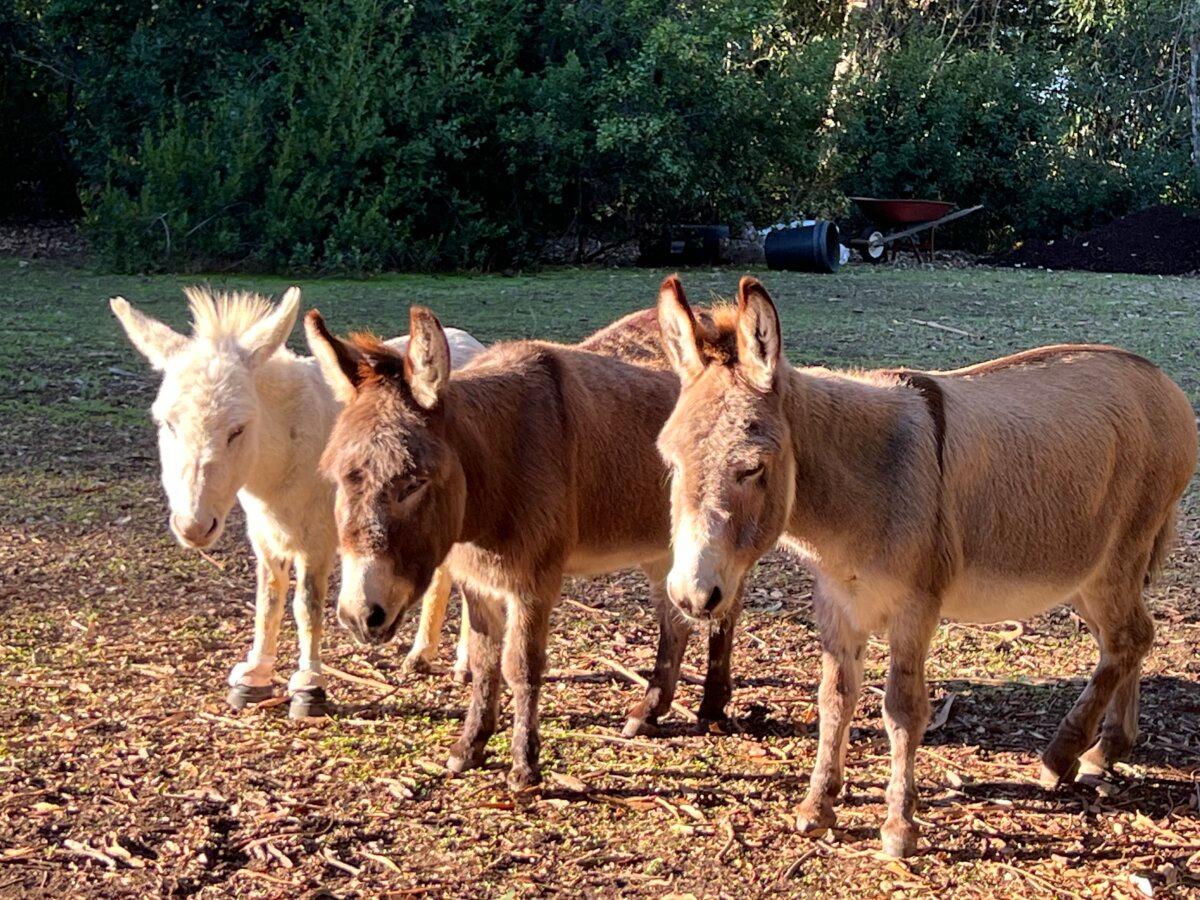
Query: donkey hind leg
(462, 653)
(1120, 728)
(429, 629)
(524, 664)
(1125, 633)
(842, 646)
(307, 685)
(905, 715)
(718, 679)
(673, 633)
(250, 680)
(485, 618)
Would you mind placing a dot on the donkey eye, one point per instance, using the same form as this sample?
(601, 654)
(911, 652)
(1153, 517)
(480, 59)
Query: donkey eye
(236, 433)
(750, 474)
(411, 488)
(354, 476)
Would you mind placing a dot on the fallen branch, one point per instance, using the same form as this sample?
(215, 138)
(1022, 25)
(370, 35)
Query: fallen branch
(940, 327)
(381, 686)
(637, 679)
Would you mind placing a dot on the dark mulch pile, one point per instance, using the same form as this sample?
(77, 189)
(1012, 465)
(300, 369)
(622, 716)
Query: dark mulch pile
(1161, 240)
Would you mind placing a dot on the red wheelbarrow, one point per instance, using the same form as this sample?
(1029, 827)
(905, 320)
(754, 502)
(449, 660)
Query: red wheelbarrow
(888, 215)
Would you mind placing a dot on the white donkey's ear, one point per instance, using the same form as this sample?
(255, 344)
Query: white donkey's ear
(677, 325)
(262, 340)
(427, 363)
(759, 342)
(154, 340)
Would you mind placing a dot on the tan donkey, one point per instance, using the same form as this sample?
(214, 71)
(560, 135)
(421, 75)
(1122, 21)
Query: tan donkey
(988, 493)
(534, 462)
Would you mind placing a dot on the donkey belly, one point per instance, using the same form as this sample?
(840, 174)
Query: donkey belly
(980, 596)
(600, 561)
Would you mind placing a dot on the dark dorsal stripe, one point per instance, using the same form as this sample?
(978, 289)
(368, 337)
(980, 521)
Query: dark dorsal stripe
(935, 402)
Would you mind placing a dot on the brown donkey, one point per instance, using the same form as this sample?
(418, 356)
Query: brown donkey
(987, 493)
(534, 463)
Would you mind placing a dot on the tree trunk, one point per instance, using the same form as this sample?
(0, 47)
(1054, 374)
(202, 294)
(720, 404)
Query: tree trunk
(1194, 98)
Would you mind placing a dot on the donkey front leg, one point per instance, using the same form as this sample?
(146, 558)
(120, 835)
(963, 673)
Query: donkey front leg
(718, 679)
(485, 619)
(673, 633)
(842, 646)
(524, 664)
(307, 685)
(462, 654)
(250, 680)
(429, 630)
(905, 714)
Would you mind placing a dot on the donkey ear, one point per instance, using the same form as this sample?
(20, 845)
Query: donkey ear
(339, 361)
(678, 327)
(150, 337)
(758, 337)
(264, 338)
(427, 363)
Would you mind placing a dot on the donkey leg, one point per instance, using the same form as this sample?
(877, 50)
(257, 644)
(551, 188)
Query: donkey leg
(486, 624)
(250, 681)
(718, 679)
(905, 715)
(307, 685)
(842, 648)
(1125, 633)
(523, 664)
(429, 630)
(673, 632)
(462, 657)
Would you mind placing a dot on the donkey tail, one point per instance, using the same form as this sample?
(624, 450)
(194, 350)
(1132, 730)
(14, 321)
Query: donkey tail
(1164, 541)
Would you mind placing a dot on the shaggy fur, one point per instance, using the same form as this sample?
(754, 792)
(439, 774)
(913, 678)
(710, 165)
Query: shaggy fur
(240, 417)
(988, 493)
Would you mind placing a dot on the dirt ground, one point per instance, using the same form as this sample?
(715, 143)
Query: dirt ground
(122, 772)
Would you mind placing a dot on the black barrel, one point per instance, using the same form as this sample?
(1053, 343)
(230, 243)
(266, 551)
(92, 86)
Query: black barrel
(809, 248)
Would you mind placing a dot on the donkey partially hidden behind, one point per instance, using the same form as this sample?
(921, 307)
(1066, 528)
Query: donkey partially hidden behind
(535, 461)
(239, 416)
(987, 493)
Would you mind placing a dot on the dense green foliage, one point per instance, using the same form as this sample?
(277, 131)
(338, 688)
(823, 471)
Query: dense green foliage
(359, 135)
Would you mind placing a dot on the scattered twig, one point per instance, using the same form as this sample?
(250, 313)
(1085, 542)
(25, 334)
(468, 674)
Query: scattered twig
(354, 871)
(382, 686)
(637, 679)
(940, 327)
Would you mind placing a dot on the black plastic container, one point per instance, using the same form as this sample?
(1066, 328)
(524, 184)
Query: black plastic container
(687, 245)
(809, 248)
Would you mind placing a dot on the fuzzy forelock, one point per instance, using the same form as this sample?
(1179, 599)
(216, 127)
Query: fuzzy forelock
(717, 334)
(224, 314)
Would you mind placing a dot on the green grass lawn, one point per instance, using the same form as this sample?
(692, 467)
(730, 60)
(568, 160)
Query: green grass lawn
(66, 364)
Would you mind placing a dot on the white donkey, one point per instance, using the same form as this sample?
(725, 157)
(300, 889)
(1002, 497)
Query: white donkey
(240, 416)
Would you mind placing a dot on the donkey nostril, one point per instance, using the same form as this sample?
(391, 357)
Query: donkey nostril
(714, 600)
(376, 617)
(211, 528)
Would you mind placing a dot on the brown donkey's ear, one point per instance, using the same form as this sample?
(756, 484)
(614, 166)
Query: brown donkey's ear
(339, 361)
(758, 337)
(427, 363)
(678, 327)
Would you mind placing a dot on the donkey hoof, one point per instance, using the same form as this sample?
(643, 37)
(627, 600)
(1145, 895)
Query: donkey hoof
(461, 760)
(814, 821)
(309, 703)
(242, 695)
(461, 676)
(899, 839)
(1054, 774)
(635, 726)
(523, 777)
(416, 664)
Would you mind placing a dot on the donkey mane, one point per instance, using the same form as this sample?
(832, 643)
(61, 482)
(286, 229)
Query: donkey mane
(224, 314)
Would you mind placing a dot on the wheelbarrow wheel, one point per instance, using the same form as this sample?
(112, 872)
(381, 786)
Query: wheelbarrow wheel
(874, 250)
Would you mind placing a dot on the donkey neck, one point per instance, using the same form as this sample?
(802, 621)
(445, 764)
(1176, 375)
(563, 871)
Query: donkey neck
(296, 412)
(501, 424)
(852, 440)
